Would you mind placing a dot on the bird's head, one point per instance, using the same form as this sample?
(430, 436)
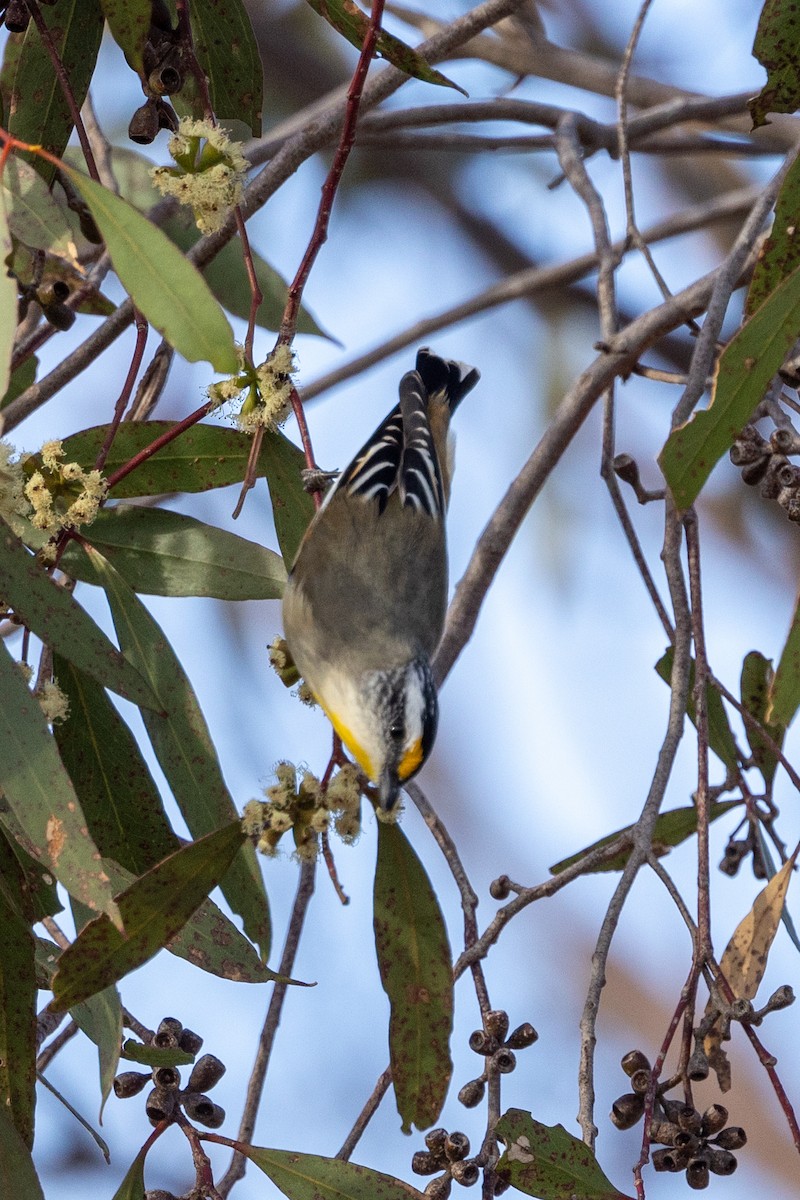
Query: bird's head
(388, 723)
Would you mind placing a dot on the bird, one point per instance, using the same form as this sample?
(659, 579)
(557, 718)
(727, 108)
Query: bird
(365, 601)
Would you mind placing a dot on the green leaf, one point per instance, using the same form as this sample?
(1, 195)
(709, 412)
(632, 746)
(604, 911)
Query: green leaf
(671, 828)
(44, 808)
(100, 1018)
(129, 23)
(203, 457)
(17, 1173)
(54, 615)
(169, 290)
(292, 506)
(227, 51)
(35, 217)
(8, 306)
(17, 1022)
(311, 1177)
(784, 694)
(346, 17)
(120, 801)
(153, 910)
(25, 885)
(125, 817)
(548, 1162)
(776, 48)
(182, 744)
(132, 1186)
(748, 363)
(33, 99)
(163, 553)
(156, 1056)
(226, 275)
(24, 375)
(780, 254)
(102, 1145)
(417, 976)
(720, 738)
(757, 679)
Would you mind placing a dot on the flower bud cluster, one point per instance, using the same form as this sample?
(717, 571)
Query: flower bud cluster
(62, 495)
(209, 173)
(166, 1098)
(297, 802)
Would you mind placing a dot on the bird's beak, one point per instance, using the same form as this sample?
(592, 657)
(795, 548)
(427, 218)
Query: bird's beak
(388, 788)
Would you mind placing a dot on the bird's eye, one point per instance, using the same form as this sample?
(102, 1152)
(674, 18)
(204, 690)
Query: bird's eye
(396, 731)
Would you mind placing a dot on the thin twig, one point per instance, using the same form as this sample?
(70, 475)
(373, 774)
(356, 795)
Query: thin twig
(255, 1087)
(704, 947)
(366, 1115)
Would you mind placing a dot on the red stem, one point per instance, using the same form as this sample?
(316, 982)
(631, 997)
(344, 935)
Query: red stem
(160, 442)
(125, 395)
(66, 87)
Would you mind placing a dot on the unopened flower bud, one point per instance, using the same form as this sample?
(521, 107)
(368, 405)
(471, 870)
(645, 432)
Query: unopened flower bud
(439, 1188)
(472, 1093)
(190, 1041)
(721, 1162)
(130, 1083)
(425, 1163)
(496, 1023)
(500, 888)
(522, 1037)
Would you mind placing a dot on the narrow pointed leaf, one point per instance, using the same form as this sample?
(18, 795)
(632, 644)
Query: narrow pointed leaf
(748, 363)
(156, 1056)
(8, 305)
(549, 1162)
(720, 737)
(35, 217)
(311, 1177)
(228, 53)
(153, 909)
(163, 553)
(756, 681)
(129, 22)
(55, 616)
(346, 17)
(181, 741)
(33, 100)
(745, 960)
(132, 1186)
(17, 1173)
(775, 47)
(125, 816)
(169, 290)
(100, 1018)
(417, 976)
(784, 694)
(671, 828)
(62, 1099)
(43, 807)
(23, 375)
(17, 1022)
(203, 457)
(780, 253)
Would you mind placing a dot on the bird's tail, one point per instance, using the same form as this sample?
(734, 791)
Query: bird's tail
(446, 375)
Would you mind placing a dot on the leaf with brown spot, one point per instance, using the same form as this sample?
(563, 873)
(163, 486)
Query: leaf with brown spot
(748, 363)
(777, 48)
(311, 1177)
(745, 958)
(55, 616)
(756, 681)
(549, 1162)
(780, 253)
(153, 908)
(17, 1172)
(784, 692)
(347, 18)
(417, 976)
(44, 813)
